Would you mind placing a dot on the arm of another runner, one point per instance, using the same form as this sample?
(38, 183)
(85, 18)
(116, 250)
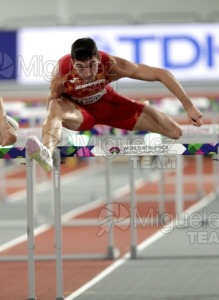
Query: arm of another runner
(2, 111)
(123, 68)
(8, 127)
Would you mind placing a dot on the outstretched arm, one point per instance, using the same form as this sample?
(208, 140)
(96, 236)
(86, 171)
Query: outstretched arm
(123, 68)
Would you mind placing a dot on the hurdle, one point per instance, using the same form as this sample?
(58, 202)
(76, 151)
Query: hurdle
(108, 152)
(180, 150)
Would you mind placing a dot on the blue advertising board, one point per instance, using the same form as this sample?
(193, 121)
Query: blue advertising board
(8, 55)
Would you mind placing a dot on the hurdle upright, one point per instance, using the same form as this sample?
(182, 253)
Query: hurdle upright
(30, 229)
(57, 224)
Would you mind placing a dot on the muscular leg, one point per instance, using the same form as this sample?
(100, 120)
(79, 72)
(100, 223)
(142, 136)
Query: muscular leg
(155, 121)
(60, 112)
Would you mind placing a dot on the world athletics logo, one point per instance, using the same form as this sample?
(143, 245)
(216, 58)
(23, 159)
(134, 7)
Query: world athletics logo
(6, 65)
(114, 150)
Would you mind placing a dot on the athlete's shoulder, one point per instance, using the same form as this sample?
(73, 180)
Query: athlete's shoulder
(107, 61)
(105, 57)
(65, 64)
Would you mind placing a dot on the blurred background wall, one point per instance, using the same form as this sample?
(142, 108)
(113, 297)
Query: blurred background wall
(14, 14)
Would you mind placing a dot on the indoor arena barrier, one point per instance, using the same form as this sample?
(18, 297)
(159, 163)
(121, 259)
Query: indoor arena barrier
(108, 151)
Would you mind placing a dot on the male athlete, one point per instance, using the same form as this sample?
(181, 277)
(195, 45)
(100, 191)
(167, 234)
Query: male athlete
(8, 127)
(80, 97)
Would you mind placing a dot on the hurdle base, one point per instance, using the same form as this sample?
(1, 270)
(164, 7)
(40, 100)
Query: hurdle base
(111, 253)
(133, 252)
(59, 298)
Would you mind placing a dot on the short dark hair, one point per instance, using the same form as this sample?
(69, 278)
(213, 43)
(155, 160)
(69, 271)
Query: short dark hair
(83, 49)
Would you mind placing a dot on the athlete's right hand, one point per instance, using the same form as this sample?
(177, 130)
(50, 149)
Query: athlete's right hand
(195, 116)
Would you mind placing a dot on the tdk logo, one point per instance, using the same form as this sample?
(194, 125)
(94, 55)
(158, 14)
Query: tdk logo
(204, 49)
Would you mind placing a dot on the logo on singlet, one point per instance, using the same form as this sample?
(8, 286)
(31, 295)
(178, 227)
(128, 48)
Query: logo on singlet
(73, 80)
(82, 86)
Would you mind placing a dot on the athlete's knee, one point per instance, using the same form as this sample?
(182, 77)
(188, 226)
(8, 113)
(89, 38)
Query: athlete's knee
(13, 138)
(9, 140)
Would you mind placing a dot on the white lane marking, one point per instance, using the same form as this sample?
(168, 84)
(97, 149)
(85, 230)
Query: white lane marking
(146, 243)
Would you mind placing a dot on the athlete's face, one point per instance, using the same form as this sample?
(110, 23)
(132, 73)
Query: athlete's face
(87, 69)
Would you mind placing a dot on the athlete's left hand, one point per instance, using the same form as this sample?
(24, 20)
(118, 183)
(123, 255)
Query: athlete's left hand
(194, 116)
